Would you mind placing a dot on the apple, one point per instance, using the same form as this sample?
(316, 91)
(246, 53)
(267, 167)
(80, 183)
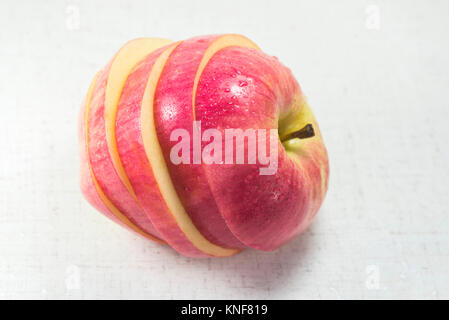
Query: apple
(202, 88)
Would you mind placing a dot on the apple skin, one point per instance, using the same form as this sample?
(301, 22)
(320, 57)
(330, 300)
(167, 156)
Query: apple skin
(176, 89)
(231, 206)
(267, 210)
(86, 183)
(101, 163)
(135, 162)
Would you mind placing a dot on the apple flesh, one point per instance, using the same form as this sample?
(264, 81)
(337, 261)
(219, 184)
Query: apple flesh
(152, 87)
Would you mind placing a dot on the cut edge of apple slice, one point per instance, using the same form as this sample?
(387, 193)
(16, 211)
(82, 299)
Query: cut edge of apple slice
(123, 63)
(155, 156)
(109, 205)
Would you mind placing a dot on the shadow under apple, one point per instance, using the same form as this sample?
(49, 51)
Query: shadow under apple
(260, 272)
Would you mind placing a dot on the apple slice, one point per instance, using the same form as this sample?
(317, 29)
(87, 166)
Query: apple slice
(137, 96)
(141, 152)
(86, 180)
(104, 159)
(138, 168)
(193, 207)
(176, 227)
(176, 87)
(89, 184)
(125, 60)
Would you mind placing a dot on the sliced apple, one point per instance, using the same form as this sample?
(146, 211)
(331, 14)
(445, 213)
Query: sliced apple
(162, 176)
(125, 60)
(133, 156)
(185, 188)
(89, 184)
(176, 87)
(152, 87)
(104, 159)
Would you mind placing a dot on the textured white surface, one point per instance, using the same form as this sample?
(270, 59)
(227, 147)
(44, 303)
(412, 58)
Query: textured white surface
(377, 77)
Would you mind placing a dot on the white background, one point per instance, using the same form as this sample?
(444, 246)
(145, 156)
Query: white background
(377, 77)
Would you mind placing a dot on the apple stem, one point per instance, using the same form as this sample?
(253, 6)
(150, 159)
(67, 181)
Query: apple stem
(306, 132)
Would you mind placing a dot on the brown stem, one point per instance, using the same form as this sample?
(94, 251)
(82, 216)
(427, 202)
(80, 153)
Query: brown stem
(304, 133)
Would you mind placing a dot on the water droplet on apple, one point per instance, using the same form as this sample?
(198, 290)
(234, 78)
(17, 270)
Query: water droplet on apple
(243, 84)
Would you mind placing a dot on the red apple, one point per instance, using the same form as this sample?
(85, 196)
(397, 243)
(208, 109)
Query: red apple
(152, 88)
